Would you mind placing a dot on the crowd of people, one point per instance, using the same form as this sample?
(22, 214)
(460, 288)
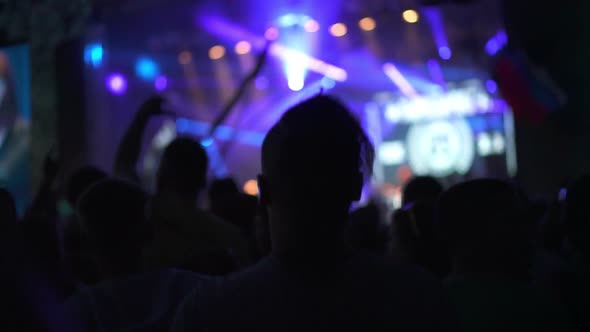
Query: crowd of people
(478, 256)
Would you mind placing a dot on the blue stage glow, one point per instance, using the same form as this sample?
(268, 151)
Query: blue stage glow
(491, 86)
(328, 83)
(497, 42)
(93, 54)
(445, 53)
(207, 142)
(146, 68)
(222, 133)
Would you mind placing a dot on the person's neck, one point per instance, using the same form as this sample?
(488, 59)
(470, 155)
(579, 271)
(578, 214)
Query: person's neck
(310, 247)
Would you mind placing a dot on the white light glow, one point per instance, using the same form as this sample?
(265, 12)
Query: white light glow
(308, 62)
(398, 79)
(458, 102)
(484, 144)
(392, 153)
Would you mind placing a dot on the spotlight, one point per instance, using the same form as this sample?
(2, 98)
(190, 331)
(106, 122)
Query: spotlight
(146, 68)
(296, 83)
(116, 83)
(242, 48)
(445, 53)
(161, 83)
(271, 33)
(93, 54)
(411, 16)
(491, 86)
(217, 52)
(338, 30)
(251, 187)
(185, 57)
(367, 24)
(311, 26)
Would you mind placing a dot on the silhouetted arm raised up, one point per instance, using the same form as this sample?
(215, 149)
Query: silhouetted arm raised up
(130, 146)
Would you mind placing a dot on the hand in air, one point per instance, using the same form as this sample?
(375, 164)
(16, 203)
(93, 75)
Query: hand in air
(153, 106)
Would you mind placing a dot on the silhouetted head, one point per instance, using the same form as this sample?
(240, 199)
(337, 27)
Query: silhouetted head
(82, 179)
(313, 165)
(577, 216)
(112, 214)
(486, 227)
(183, 168)
(422, 188)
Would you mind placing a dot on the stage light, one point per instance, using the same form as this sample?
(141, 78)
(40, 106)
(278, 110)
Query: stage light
(392, 153)
(311, 26)
(296, 82)
(338, 30)
(93, 54)
(411, 16)
(367, 24)
(251, 187)
(161, 83)
(328, 83)
(484, 144)
(497, 42)
(399, 80)
(146, 68)
(217, 52)
(445, 53)
(491, 86)
(116, 83)
(207, 142)
(243, 47)
(185, 57)
(271, 33)
(288, 20)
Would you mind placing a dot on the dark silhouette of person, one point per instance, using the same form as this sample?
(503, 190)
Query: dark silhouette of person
(185, 236)
(366, 229)
(487, 228)
(231, 205)
(416, 238)
(112, 213)
(314, 161)
(421, 188)
(30, 299)
(575, 283)
(76, 252)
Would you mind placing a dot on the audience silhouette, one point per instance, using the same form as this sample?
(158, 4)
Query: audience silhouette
(314, 161)
(185, 236)
(488, 234)
(475, 257)
(112, 213)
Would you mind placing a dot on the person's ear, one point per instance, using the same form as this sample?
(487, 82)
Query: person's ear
(263, 191)
(357, 187)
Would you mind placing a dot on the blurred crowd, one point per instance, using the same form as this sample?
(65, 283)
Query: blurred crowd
(102, 253)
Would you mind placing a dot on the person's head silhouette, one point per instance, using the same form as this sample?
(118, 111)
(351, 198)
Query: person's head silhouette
(82, 179)
(484, 222)
(183, 169)
(313, 165)
(112, 214)
(421, 188)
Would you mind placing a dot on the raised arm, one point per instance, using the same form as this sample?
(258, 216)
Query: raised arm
(130, 147)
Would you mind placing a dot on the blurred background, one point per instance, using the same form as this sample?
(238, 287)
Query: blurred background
(456, 89)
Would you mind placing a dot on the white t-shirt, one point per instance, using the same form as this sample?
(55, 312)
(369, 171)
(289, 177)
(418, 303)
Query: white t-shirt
(362, 293)
(143, 302)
